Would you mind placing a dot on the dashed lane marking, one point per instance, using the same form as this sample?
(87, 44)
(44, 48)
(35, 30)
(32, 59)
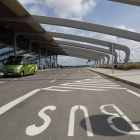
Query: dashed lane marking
(53, 81)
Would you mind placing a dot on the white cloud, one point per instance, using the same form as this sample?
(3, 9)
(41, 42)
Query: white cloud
(35, 10)
(25, 2)
(125, 28)
(72, 9)
(102, 37)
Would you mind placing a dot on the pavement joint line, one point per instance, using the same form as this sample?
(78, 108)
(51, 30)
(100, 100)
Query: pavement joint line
(137, 86)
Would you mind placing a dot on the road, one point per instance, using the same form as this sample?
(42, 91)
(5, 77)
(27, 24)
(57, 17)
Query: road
(68, 104)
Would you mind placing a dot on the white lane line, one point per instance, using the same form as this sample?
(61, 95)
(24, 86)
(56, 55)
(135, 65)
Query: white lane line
(55, 89)
(94, 73)
(2, 82)
(95, 87)
(80, 88)
(53, 80)
(8, 106)
(138, 95)
(93, 82)
(64, 74)
(92, 85)
(14, 79)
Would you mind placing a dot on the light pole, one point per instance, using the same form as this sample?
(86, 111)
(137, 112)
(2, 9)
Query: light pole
(119, 50)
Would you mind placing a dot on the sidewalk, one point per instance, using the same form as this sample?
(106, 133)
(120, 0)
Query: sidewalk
(130, 77)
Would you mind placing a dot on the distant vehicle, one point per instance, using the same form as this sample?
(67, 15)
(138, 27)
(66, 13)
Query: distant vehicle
(62, 67)
(20, 65)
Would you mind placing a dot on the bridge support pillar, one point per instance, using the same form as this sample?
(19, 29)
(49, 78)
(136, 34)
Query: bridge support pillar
(39, 57)
(30, 47)
(56, 61)
(50, 60)
(15, 43)
(46, 60)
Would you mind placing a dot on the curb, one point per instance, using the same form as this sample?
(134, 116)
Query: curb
(118, 79)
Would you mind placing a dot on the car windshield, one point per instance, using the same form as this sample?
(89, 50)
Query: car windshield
(15, 60)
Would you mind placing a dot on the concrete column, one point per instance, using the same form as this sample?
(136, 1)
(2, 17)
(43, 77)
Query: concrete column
(40, 57)
(50, 60)
(30, 47)
(56, 61)
(15, 43)
(46, 60)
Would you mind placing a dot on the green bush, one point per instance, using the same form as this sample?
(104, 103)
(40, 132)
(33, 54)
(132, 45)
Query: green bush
(122, 66)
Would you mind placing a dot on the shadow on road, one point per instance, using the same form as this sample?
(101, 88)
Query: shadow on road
(100, 125)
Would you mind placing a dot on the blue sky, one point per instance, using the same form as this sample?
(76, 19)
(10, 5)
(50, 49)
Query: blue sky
(102, 12)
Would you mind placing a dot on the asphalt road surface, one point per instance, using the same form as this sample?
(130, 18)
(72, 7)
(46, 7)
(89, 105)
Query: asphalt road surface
(68, 104)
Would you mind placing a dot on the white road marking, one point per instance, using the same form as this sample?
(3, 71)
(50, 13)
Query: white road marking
(96, 87)
(110, 84)
(92, 82)
(115, 115)
(2, 82)
(88, 124)
(80, 88)
(64, 74)
(8, 106)
(138, 95)
(94, 73)
(33, 130)
(72, 121)
(92, 85)
(53, 81)
(55, 89)
(14, 79)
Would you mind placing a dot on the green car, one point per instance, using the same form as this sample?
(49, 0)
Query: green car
(20, 65)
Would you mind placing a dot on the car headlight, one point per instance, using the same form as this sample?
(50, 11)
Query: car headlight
(4, 69)
(16, 69)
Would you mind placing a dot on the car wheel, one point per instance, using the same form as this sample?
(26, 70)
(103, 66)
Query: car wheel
(22, 74)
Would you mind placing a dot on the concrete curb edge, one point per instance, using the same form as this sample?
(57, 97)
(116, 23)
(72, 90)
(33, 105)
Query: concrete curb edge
(118, 79)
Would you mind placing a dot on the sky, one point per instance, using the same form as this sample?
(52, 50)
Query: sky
(103, 12)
